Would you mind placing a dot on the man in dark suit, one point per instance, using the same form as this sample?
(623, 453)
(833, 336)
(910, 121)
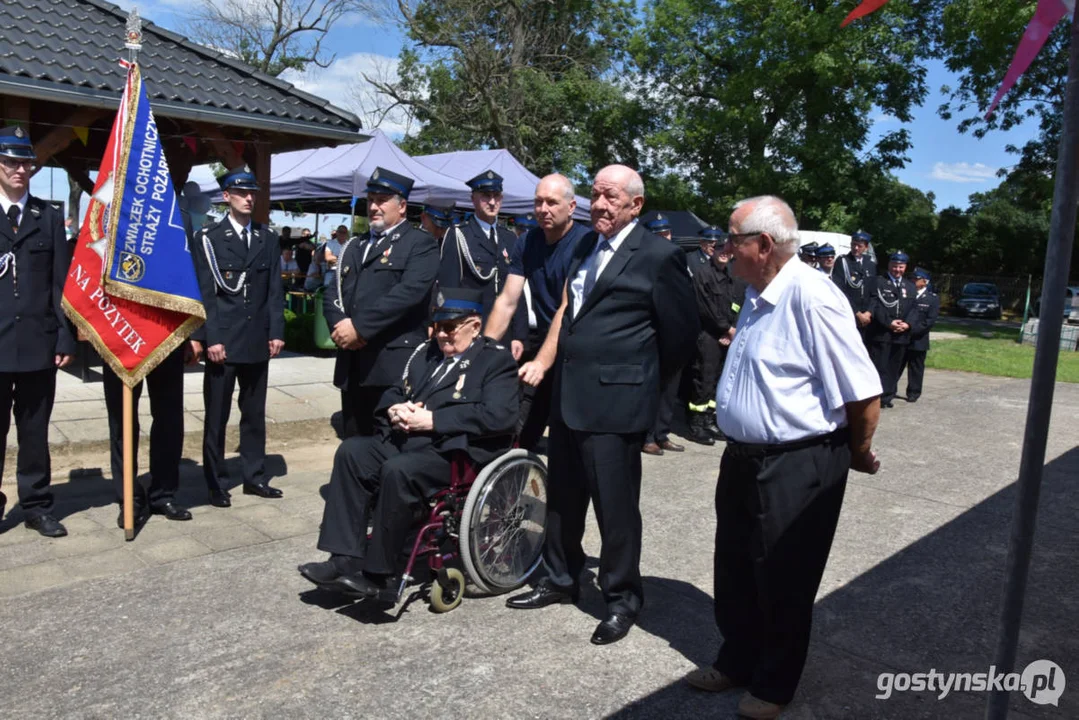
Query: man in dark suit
(476, 254)
(621, 331)
(238, 269)
(35, 336)
(889, 332)
(923, 318)
(378, 306)
(855, 274)
(457, 393)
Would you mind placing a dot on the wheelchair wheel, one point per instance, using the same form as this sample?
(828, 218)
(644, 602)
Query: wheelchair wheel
(447, 590)
(504, 520)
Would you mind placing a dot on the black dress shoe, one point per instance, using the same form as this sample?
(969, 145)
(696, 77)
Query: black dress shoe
(263, 491)
(142, 514)
(220, 499)
(540, 596)
(171, 510)
(360, 586)
(47, 525)
(613, 629)
(320, 573)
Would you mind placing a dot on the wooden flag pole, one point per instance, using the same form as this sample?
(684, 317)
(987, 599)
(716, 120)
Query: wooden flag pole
(129, 465)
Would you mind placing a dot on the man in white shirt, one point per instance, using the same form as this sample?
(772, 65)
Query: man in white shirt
(799, 402)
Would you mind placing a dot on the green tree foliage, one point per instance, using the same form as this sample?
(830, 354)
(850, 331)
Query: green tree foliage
(531, 76)
(772, 96)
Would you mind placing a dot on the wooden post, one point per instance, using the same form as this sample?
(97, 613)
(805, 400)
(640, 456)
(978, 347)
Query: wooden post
(262, 175)
(129, 465)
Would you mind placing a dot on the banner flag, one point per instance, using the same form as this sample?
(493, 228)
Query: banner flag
(867, 7)
(133, 335)
(1046, 16)
(146, 256)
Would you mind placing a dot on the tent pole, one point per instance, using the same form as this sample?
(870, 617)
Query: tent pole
(1031, 466)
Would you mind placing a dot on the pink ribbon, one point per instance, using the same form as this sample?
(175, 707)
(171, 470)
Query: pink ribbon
(862, 10)
(1046, 16)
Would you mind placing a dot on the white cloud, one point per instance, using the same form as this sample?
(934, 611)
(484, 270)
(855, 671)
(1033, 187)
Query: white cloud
(963, 172)
(343, 84)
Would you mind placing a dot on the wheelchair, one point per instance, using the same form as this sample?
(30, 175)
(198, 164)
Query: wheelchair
(486, 528)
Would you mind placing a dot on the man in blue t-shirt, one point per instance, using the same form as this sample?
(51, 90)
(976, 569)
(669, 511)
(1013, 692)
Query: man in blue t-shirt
(542, 257)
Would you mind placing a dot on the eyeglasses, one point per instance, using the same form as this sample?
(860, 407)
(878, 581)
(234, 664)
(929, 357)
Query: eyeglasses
(737, 239)
(450, 327)
(15, 164)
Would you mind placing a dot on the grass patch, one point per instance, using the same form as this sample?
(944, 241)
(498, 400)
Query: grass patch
(1001, 356)
(978, 331)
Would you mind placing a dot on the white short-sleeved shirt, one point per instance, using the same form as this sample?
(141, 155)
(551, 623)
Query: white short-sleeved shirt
(795, 361)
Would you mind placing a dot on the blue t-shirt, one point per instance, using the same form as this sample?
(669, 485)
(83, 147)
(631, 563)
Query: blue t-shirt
(545, 267)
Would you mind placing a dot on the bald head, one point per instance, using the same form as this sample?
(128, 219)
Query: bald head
(617, 198)
(555, 203)
(771, 215)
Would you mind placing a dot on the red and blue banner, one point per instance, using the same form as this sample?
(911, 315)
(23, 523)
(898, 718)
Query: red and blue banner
(131, 288)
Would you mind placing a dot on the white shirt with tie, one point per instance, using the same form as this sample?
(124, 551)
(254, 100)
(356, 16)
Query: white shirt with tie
(374, 239)
(5, 204)
(594, 264)
(241, 229)
(796, 360)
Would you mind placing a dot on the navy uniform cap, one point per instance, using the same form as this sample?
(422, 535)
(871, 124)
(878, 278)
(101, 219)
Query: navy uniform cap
(526, 221)
(659, 223)
(808, 250)
(861, 236)
(238, 179)
(454, 303)
(442, 217)
(712, 233)
(486, 181)
(900, 257)
(921, 273)
(825, 250)
(15, 143)
(384, 181)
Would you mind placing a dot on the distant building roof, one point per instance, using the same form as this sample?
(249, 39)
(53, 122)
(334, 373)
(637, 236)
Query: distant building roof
(67, 51)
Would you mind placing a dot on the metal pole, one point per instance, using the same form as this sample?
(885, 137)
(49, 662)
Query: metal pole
(1057, 263)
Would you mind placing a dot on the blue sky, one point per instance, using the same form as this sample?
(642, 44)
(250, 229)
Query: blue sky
(950, 164)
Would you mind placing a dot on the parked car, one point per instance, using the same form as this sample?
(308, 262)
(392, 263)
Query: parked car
(1071, 304)
(979, 300)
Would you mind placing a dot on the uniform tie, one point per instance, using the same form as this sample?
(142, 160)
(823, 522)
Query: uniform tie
(13, 217)
(247, 241)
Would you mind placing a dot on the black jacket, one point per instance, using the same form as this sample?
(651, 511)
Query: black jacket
(244, 322)
(632, 332)
(388, 299)
(475, 406)
(455, 272)
(719, 298)
(33, 327)
(923, 318)
(856, 278)
(890, 303)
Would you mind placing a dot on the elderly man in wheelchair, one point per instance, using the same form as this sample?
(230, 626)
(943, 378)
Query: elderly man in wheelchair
(457, 400)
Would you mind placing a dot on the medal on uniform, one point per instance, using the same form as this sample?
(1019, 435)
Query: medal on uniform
(460, 384)
(505, 254)
(386, 255)
(345, 270)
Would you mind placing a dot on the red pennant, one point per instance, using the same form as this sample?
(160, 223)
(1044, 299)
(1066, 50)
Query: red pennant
(867, 7)
(1046, 16)
(238, 146)
(192, 144)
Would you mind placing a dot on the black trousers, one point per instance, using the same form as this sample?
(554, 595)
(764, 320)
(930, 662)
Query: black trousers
(897, 353)
(219, 380)
(705, 369)
(915, 366)
(393, 479)
(32, 395)
(775, 520)
(535, 411)
(606, 469)
(358, 405)
(166, 388)
(668, 398)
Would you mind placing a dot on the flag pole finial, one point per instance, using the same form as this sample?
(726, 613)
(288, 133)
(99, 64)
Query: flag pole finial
(133, 34)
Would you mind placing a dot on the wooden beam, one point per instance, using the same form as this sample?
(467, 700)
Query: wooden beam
(64, 134)
(180, 160)
(78, 173)
(262, 175)
(224, 149)
(17, 109)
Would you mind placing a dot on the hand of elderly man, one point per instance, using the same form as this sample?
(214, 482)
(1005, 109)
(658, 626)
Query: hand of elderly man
(532, 373)
(344, 335)
(865, 462)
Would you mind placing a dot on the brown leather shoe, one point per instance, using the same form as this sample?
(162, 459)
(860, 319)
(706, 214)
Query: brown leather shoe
(709, 679)
(651, 449)
(672, 446)
(757, 709)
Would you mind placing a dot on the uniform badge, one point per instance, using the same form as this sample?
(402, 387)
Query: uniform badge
(460, 384)
(19, 133)
(490, 175)
(35, 211)
(345, 270)
(374, 175)
(464, 365)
